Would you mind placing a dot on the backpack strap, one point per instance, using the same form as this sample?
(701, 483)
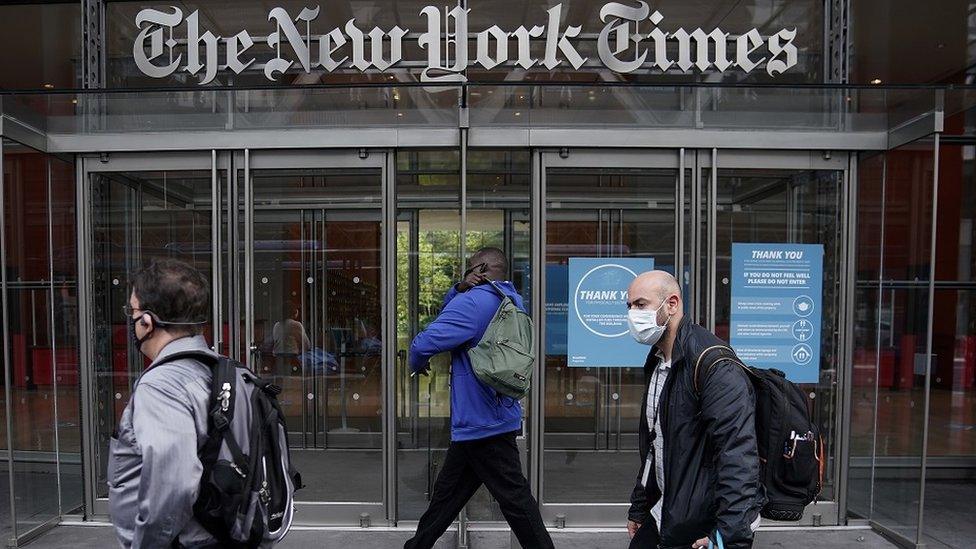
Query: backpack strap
(726, 353)
(219, 416)
(498, 290)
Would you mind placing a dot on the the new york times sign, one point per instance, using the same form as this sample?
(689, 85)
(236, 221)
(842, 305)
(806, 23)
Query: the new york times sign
(632, 37)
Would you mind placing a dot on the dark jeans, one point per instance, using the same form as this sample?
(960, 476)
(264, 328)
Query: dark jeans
(495, 462)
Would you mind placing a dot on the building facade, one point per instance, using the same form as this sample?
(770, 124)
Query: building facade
(333, 164)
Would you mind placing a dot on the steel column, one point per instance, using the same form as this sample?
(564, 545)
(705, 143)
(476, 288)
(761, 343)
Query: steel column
(215, 268)
(848, 279)
(537, 390)
(389, 303)
(248, 262)
(712, 214)
(679, 222)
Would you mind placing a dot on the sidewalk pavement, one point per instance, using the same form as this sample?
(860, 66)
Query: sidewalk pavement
(386, 538)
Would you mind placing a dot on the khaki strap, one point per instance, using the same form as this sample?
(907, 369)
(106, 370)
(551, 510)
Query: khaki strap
(710, 349)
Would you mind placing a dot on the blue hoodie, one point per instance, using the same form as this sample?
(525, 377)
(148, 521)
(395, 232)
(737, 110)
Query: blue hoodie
(477, 411)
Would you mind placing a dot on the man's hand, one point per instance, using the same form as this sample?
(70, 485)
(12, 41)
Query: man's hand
(700, 543)
(632, 528)
(471, 280)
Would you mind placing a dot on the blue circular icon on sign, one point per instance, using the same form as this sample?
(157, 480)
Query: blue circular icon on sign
(802, 354)
(803, 306)
(601, 300)
(802, 330)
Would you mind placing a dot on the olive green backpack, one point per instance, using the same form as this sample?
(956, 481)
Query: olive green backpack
(504, 358)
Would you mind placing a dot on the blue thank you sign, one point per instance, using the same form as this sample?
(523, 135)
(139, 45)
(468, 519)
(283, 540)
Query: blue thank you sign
(557, 282)
(777, 294)
(598, 334)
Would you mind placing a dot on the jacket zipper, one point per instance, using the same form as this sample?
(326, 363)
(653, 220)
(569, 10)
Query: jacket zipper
(666, 399)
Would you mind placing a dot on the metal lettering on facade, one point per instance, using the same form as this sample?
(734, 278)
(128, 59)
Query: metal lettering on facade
(631, 39)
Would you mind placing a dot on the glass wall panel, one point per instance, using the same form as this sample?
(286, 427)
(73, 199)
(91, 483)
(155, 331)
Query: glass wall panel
(787, 206)
(951, 465)
(65, 345)
(868, 357)
(317, 328)
(6, 356)
(906, 264)
(428, 252)
(592, 412)
(136, 216)
(29, 337)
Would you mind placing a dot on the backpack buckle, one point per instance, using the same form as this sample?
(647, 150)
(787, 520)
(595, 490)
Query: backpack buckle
(220, 421)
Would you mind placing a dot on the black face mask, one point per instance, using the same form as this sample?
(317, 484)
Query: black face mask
(136, 342)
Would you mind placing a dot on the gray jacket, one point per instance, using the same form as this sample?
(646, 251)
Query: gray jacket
(153, 469)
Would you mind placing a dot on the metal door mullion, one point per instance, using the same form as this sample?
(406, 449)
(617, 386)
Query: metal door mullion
(537, 390)
(321, 305)
(233, 262)
(307, 264)
(388, 304)
(712, 213)
(215, 270)
(250, 347)
(695, 211)
(679, 220)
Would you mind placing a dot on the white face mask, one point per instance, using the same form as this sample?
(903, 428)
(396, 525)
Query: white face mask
(644, 327)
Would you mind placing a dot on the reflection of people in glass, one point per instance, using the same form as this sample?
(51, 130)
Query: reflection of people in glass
(288, 333)
(288, 338)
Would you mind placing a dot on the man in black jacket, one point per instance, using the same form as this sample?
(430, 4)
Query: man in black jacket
(699, 461)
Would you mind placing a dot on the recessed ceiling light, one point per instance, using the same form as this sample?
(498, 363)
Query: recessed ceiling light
(876, 81)
(49, 86)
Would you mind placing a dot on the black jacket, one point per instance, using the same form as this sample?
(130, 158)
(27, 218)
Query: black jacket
(711, 462)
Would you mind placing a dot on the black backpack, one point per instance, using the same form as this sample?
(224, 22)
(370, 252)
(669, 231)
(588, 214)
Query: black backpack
(248, 484)
(791, 450)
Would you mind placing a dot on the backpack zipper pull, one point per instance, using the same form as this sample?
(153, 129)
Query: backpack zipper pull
(238, 470)
(224, 397)
(264, 493)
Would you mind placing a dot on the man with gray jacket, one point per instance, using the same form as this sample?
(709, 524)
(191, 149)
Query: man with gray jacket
(154, 471)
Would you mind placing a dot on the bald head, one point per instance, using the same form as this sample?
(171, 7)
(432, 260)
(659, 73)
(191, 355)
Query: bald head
(659, 284)
(656, 290)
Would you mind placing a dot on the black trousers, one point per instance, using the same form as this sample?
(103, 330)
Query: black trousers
(494, 462)
(647, 536)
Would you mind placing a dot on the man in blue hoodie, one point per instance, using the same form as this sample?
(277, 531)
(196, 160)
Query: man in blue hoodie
(484, 424)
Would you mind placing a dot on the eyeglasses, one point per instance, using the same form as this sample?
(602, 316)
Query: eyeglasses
(129, 309)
